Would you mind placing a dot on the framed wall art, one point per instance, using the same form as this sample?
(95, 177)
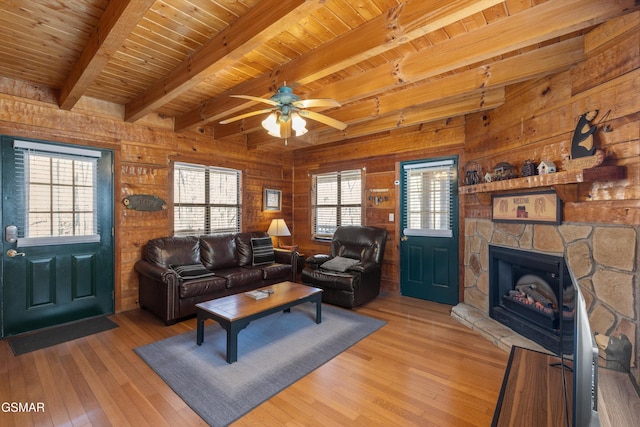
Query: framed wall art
(544, 207)
(272, 199)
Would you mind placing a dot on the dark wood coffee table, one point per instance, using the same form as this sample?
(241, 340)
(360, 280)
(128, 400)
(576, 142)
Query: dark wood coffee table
(235, 312)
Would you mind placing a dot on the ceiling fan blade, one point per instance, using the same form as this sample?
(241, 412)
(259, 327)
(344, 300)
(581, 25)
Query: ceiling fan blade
(318, 102)
(245, 115)
(257, 99)
(323, 119)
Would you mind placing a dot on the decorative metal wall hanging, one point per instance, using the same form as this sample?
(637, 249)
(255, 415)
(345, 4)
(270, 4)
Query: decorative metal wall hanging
(144, 202)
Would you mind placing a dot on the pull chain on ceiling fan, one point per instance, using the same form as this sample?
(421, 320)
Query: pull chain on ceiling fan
(287, 112)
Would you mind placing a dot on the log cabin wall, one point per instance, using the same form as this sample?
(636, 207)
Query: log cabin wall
(600, 233)
(379, 156)
(142, 153)
(536, 122)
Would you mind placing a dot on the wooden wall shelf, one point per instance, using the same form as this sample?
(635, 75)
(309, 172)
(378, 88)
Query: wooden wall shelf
(564, 183)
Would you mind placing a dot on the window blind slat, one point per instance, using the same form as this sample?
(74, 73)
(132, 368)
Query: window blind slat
(337, 201)
(57, 190)
(427, 204)
(206, 199)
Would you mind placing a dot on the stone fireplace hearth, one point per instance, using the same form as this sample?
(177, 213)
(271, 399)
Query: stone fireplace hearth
(603, 258)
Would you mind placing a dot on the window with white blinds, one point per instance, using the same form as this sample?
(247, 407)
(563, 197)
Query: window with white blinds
(206, 199)
(337, 200)
(57, 185)
(428, 198)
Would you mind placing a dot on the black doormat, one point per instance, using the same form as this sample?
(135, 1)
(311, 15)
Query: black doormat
(32, 341)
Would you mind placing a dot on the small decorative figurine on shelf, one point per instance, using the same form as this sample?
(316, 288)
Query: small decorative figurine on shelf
(546, 167)
(504, 171)
(529, 168)
(471, 176)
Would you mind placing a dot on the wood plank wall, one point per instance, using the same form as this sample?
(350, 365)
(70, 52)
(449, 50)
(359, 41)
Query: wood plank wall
(536, 122)
(143, 154)
(538, 119)
(379, 156)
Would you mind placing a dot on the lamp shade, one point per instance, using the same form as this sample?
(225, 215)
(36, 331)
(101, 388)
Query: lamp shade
(272, 124)
(278, 228)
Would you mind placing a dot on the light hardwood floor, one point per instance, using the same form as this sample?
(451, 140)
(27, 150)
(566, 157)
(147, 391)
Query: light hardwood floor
(422, 368)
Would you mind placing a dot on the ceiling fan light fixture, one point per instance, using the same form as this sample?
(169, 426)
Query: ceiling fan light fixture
(286, 113)
(298, 124)
(271, 124)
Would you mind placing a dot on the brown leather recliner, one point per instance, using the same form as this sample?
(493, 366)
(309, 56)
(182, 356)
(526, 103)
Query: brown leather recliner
(350, 275)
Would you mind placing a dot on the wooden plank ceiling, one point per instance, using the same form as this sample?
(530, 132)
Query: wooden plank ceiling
(390, 63)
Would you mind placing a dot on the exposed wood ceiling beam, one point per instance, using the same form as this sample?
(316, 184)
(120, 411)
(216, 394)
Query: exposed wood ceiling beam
(549, 20)
(533, 64)
(397, 26)
(116, 23)
(265, 20)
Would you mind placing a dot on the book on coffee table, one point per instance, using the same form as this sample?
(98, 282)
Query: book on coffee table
(257, 294)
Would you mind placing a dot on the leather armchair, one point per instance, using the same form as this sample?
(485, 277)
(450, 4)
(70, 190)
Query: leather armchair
(350, 274)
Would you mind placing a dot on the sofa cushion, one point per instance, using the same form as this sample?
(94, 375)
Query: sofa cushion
(262, 248)
(200, 287)
(192, 271)
(241, 276)
(218, 251)
(180, 250)
(339, 264)
(243, 246)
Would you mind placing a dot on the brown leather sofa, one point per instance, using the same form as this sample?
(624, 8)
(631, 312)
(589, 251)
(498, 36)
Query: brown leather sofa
(350, 274)
(176, 273)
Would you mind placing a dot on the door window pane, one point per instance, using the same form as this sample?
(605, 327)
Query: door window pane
(428, 191)
(60, 195)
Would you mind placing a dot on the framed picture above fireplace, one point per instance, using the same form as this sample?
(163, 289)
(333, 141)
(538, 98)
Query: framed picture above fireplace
(543, 207)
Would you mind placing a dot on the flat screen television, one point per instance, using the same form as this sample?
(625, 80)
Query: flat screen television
(581, 360)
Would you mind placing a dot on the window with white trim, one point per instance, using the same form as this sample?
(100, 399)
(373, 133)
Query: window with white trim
(206, 199)
(58, 188)
(336, 201)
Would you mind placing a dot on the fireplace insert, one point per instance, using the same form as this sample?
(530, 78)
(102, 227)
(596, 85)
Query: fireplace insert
(531, 293)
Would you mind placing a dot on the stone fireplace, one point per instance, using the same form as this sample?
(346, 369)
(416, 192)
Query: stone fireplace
(603, 259)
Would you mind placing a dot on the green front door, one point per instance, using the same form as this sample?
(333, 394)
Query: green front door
(57, 243)
(429, 239)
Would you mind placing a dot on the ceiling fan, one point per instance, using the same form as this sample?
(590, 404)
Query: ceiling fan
(287, 111)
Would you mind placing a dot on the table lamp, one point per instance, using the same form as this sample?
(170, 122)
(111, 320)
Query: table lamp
(278, 228)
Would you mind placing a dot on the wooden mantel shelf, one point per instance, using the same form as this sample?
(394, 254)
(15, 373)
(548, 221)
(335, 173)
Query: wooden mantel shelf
(564, 182)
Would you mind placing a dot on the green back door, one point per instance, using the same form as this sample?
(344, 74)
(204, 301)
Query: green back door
(57, 243)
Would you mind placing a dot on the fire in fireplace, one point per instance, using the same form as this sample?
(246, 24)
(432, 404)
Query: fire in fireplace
(532, 294)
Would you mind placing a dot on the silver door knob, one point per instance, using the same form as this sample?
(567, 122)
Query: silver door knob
(12, 252)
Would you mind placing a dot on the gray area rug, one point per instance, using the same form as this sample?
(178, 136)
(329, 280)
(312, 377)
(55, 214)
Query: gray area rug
(273, 353)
